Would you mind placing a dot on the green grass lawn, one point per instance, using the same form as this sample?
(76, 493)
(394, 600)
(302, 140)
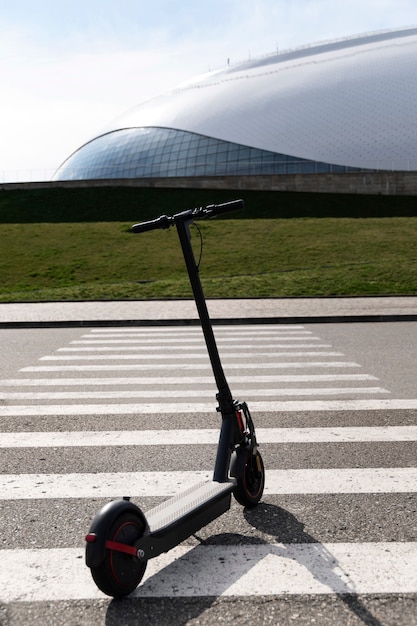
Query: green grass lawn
(271, 257)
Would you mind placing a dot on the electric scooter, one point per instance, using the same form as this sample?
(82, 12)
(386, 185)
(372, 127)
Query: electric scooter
(121, 539)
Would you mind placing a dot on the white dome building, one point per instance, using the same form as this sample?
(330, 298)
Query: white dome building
(343, 106)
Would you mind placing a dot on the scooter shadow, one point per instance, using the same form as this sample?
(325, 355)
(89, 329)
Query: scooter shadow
(288, 530)
(166, 609)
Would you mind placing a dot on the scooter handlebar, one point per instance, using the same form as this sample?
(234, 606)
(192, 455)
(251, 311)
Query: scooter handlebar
(212, 210)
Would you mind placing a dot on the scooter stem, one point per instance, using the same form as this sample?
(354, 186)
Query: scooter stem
(228, 434)
(182, 223)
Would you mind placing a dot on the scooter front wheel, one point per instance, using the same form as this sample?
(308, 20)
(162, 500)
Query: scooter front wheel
(251, 481)
(119, 574)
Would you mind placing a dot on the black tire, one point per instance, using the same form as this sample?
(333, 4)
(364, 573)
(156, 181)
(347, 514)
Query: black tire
(119, 574)
(250, 485)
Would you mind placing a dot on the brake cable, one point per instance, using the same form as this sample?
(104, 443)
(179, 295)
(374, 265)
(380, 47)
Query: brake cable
(201, 245)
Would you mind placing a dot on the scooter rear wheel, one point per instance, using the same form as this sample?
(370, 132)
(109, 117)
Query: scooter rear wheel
(119, 574)
(250, 485)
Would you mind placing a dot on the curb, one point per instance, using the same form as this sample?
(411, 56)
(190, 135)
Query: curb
(329, 319)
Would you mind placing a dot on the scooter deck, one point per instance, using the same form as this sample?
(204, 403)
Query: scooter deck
(179, 517)
(186, 503)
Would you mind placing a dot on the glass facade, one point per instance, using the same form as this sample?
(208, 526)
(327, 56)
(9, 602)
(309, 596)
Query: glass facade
(166, 152)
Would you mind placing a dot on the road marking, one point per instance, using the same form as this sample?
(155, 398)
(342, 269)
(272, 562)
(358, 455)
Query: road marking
(191, 380)
(154, 357)
(144, 408)
(187, 393)
(271, 569)
(126, 357)
(186, 366)
(90, 438)
(164, 484)
(134, 338)
(197, 334)
(229, 329)
(135, 345)
(279, 348)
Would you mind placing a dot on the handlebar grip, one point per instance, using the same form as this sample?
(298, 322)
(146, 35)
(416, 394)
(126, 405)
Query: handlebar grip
(160, 222)
(225, 207)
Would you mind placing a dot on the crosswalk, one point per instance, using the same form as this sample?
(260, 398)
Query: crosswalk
(131, 411)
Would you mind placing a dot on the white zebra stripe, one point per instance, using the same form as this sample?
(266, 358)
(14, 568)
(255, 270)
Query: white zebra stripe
(117, 367)
(227, 331)
(164, 484)
(188, 393)
(244, 328)
(273, 569)
(200, 346)
(344, 434)
(197, 407)
(166, 356)
(171, 380)
(134, 338)
(237, 349)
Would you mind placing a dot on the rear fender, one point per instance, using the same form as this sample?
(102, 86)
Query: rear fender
(98, 533)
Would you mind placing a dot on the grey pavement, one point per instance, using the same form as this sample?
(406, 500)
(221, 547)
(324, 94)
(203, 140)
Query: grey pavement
(284, 310)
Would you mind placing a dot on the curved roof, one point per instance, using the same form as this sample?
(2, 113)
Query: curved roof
(350, 102)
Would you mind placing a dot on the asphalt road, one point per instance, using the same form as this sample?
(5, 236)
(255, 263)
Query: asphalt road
(334, 540)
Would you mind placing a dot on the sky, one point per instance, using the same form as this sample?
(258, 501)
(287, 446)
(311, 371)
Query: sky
(68, 67)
